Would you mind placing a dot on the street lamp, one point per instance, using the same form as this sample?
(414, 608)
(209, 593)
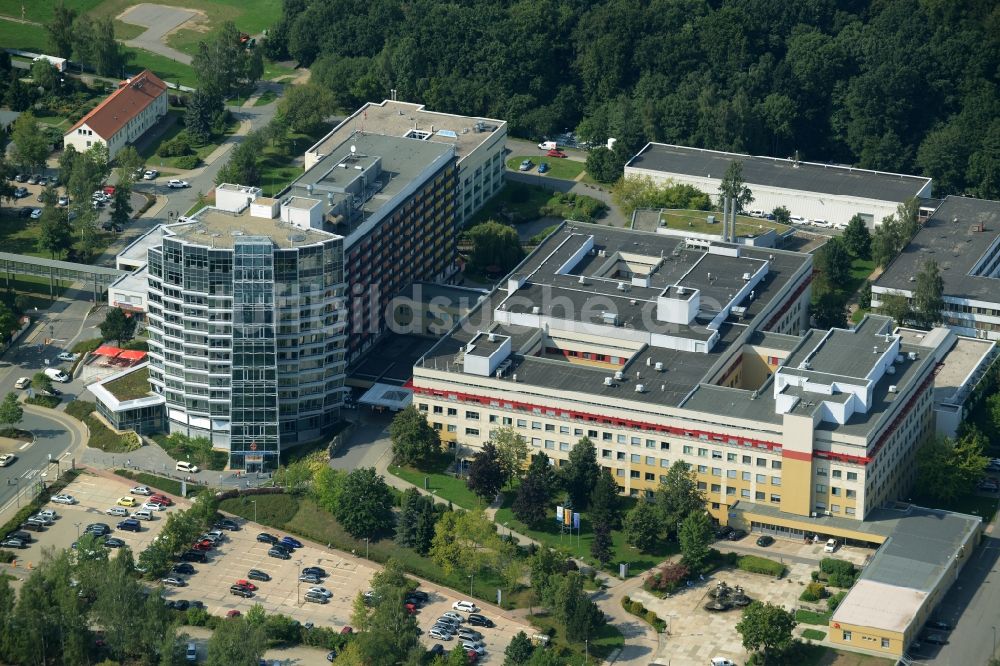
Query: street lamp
(994, 641)
(470, 584)
(77, 530)
(298, 588)
(17, 489)
(254, 502)
(586, 647)
(508, 530)
(366, 548)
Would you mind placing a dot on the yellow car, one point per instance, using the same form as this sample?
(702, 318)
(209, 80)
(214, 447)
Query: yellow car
(127, 501)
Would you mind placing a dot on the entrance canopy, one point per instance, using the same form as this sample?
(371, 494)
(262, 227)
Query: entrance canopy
(387, 396)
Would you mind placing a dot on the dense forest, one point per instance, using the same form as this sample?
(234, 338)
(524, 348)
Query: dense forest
(899, 85)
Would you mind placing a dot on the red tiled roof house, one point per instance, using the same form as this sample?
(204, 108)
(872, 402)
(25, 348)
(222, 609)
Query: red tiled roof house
(123, 117)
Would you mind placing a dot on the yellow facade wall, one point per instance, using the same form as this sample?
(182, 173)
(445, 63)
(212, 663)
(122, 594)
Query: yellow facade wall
(855, 637)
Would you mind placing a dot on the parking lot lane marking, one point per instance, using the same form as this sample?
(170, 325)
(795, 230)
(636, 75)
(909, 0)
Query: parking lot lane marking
(24, 446)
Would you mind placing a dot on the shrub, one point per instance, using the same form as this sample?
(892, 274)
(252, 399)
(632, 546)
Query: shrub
(177, 146)
(813, 592)
(197, 617)
(80, 409)
(49, 401)
(187, 162)
(667, 578)
(835, 600)
(813, 634)
(7, 556)
(761, 565)
(840, 573)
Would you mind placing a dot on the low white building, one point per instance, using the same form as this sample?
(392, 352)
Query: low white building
(123, 117)
(809, 190)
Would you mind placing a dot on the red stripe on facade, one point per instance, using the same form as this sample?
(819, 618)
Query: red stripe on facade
(796, 455)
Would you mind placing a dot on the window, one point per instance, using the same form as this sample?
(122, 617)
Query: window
(702, 453)
(423, 406)
(835, 491)
(550, 444)
(835, 473)
(636, 441)
(761, 462)
(775, 480)
(452, 427)
(775, 464)
(820, 488)
(730, 473)
(835, 508)
(820, 471)
(605, 453)
(747, 476)
(852, 476)
(716, 488)
(472, 431)
(849, 510)
(634, 474)
(619, 472)
(702, 469)
(452, 411)
(776, 498)
(847, 635)
(716, 455)
(636, 458)
(438, 409)
(650, 443)
(761, 478)
(730, 490)
(578, 432)
(821, 507)
(606, 436)
(716, 471)
(885, 643)
(592, 434)
(687, 450)
(759, 496)
(851, 494)
(650, 476)
(664, 462)
(536, 442)
(535, 425)
(702, 485)
(564, 446)
(650, 460)
(521, 423)
(746, 460)
(549, 427)
(493, 418)
(664, 446)
(507, 421)
(621, 455)
(745, 493)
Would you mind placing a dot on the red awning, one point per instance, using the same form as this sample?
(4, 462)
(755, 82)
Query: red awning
(132, 355)
(107, 350)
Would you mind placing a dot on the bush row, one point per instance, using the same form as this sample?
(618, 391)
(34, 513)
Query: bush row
(640, 611)
(761, 565)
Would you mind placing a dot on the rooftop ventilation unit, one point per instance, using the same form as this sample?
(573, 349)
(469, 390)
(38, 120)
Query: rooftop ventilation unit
(875, 349)
(536, 310)
(891, 370)
(492, 337)
(619, 375)
(608, 381)
(640, 388)
(659, 366)
(621, 286)
(582, 280)
(893, 388)
(912, 356)
(746, 277)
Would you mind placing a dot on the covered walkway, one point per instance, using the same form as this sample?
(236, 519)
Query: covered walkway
(55, 270)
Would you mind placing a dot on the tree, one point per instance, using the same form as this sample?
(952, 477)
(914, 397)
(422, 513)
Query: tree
(60, 30)
(928, 298)
(782, 215)
(199, 117)
(605, 165)
(579, 474)
(41, 382)
(634, 192)
(117, 326)
(54, 233)
(512, 451)
(604, 501)
(236, 642)
(834, 264)
(519, 650)
(828, 311)
(30, 145)
(495, 246)
(486, 475)
(949, 469)
(45, 77)
(242, 166)
(128, 162)
(305, 107)
(365, 503)
(678, 496)
(465, 541)
(414, 441)
(733, 186)
(896, 306)
(415, 528)
(11, 411)
(601, 546)
(695, 537)
(574, 610)
(856, 238)
(222, 64)
(642, 526)
(534, 496)
(765, 628)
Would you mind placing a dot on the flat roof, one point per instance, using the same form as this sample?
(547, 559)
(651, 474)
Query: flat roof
(222, 229)
(464, 133)
(784, 173)
(391, 360)
(952, 238)
(962, 366)
(138, 250)
(842, 352)
(454, 296)
(872, 604)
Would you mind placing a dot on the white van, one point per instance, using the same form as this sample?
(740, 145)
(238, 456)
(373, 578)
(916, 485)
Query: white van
(143, 514)
(192, 652)
(56, 375)
(185, 466)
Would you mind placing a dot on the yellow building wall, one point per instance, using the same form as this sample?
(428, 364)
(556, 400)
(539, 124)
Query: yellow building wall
(867, 638)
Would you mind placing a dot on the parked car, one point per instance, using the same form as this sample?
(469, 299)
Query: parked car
(736, 535)
(247, 584)
(191, 654)
(152, 507)
(6, 459)
(935, 638)
(240, 591)
(114, 542)
(183, 568)
(319, 571)
(525, 165)
(439, 635)
(465, 607)
(151, 174)
(308, 578)
(20, 192)
(62, 499)
(51, 392)
(21, 178)
(939, 625)
(160, 499)
(48, 513)
(257, 574)
(474, 647)
(20, 535)
(33, 179)
(233, 613)
(139, 490)
(291, 542)
(173, 581)
(279, 554)
(127, 501)
(723, 531)
(23, 383)
(119, 511)
(831, 546)
(320, 590)
(194, 556)
(63, 200)
(555, 152)
(36, 214)
(173, 183)
(316, 598)
(227, 524)
(452, 616)
(469, 634)
(480, 620)
(56, 375)
(765, 540)
(12, 542)
(100, 529)
(543, 167)
(264, 537)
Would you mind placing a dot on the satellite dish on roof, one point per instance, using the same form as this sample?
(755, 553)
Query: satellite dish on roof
(354, 149)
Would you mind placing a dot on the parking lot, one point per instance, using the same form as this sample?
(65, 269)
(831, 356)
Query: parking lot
(240, 552)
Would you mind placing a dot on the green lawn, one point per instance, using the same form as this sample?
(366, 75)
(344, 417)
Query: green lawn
(697, 221)
(149, 149)
(273, 71)
(171, 486)
(803, 616)
(169, 70)
(442, 484)
(608, 640)
(579, 545)
(42, 11)
(130, 387)
(277, 166)
(126, 31)
(814, 634)
(266, 98)
(20, 35)
(559, 167)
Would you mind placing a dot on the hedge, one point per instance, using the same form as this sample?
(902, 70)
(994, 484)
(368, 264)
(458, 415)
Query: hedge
(171, 486)
(636, 608)
(761, 565)
(49, 401)
(839, 573)
(835, 600)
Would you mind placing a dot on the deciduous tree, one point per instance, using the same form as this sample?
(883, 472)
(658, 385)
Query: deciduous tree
(519, 650)
(695, 537)
(765, 628)
(734, 187)
(857, 239)
(495, 246)
(678, 496)
(642, 526)
(236, 642)
(54, 233)
(512, 451)
(364, 505)
(602, 545)
(579, 474)
(117, 326)
(486, 474)
(30, 145)
(11, 411)
(305, 107)
(414, 441)
(948, 469)
(60, 29)
(928, 295)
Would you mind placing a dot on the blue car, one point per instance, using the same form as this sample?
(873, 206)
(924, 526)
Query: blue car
(130, 525)
(543, 167)
(290, 542)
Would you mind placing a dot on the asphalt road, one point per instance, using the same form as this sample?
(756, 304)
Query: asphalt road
(159, 20)
(52, 438)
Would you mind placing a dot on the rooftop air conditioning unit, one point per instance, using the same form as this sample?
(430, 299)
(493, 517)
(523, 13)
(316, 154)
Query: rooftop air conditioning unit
(536, 310)
(492, 337)
(640, 388)
(659, 366)
(746, 277)
(893, 388)
(912, 356)
(619, 375)
(608, 381)
(891, 370)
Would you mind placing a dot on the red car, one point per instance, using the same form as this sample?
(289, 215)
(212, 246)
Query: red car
(556, 153)
(473, 656)
(160, 499)
(247, 584)
(203, 546)
(109, 190)
(233, 613)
